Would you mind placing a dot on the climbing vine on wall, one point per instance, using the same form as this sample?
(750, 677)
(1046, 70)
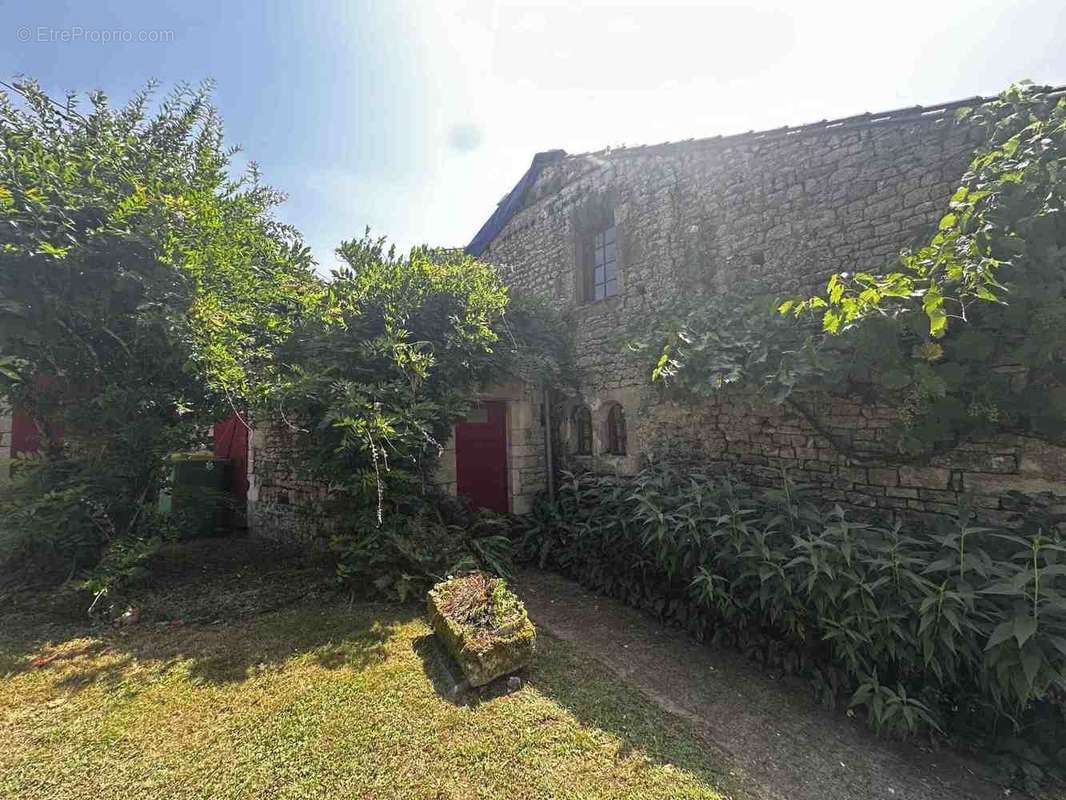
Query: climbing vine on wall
(963, 336)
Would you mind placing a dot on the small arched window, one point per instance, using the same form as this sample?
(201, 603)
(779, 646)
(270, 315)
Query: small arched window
(616, 431)
(581, 423)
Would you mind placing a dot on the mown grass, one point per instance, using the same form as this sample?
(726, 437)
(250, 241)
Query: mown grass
(321, 701)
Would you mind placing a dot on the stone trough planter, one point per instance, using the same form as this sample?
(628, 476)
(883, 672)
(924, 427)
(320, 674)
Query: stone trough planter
(483, 625)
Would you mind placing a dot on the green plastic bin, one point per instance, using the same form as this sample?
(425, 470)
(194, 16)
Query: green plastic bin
(200, 500)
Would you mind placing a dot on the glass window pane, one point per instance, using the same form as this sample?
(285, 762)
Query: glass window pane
(602, 277)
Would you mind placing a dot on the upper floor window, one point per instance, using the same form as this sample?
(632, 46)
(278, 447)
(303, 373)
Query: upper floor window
(603, 279)
(581, 422)
(616, 431)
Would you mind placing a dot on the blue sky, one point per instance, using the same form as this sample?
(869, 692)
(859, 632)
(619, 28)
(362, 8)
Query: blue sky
(415, 117)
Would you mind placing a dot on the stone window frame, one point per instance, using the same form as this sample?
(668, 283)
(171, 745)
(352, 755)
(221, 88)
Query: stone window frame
(581, 428)
(603, 269)
(616, 435)
(592, 224)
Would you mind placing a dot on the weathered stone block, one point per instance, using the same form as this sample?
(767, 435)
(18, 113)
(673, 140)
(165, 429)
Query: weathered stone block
(938, 495)
(902, 491)
(853, 474)
(884, 477)
(859, 499)
(1042, 459)
(483, 625)
(925, 477)
(997, 484)
(978, 461)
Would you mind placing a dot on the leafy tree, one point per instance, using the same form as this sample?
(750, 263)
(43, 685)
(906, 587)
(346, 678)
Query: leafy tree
(142, 290)
(366, 389)
(968, 333)
(372, 378)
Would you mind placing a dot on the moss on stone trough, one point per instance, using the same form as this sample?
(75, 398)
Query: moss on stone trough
(483, 625)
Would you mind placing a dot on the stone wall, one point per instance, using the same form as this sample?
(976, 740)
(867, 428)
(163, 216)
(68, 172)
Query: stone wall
(847, 459)
(282, 503)
(781, 211)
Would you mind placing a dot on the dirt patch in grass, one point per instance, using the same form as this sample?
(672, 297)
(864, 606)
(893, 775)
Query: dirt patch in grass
(321, 697)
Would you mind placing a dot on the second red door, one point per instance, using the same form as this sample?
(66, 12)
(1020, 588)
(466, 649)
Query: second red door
(481, 456)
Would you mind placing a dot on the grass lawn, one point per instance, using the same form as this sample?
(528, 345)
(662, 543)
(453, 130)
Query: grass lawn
(320, 700)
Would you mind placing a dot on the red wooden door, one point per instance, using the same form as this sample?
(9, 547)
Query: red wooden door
(25, 438)
(481, 456)
(231, 441)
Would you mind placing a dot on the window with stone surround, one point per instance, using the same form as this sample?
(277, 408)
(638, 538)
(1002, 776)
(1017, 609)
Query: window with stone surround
(597, 243)
(581, 426)
(603, 276)
(616, 431)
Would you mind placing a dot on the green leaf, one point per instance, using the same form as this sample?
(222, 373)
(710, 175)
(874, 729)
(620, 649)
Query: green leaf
(1058, 643)
(835, 290)
(1024, 628)
(1003, 632)
(938, 322)
(831, 321)
(1031, 659)
(48, 249)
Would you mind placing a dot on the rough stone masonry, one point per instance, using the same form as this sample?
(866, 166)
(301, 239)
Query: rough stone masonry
(783, 208)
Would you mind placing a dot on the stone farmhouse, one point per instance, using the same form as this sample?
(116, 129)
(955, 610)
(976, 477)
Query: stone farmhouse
(613, 235)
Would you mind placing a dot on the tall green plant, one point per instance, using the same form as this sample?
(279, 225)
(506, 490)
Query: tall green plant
(920, 630)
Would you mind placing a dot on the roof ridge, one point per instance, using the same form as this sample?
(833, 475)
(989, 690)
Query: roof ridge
(511, 202)
(863, 120)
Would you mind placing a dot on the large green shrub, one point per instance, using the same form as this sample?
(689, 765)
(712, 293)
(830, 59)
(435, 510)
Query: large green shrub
(368, 386)
(143, 288)
(421, 538)
(916, 629)
(370, 381)
(146, 291)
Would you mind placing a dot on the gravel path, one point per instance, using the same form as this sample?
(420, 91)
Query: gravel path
(779, 741)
